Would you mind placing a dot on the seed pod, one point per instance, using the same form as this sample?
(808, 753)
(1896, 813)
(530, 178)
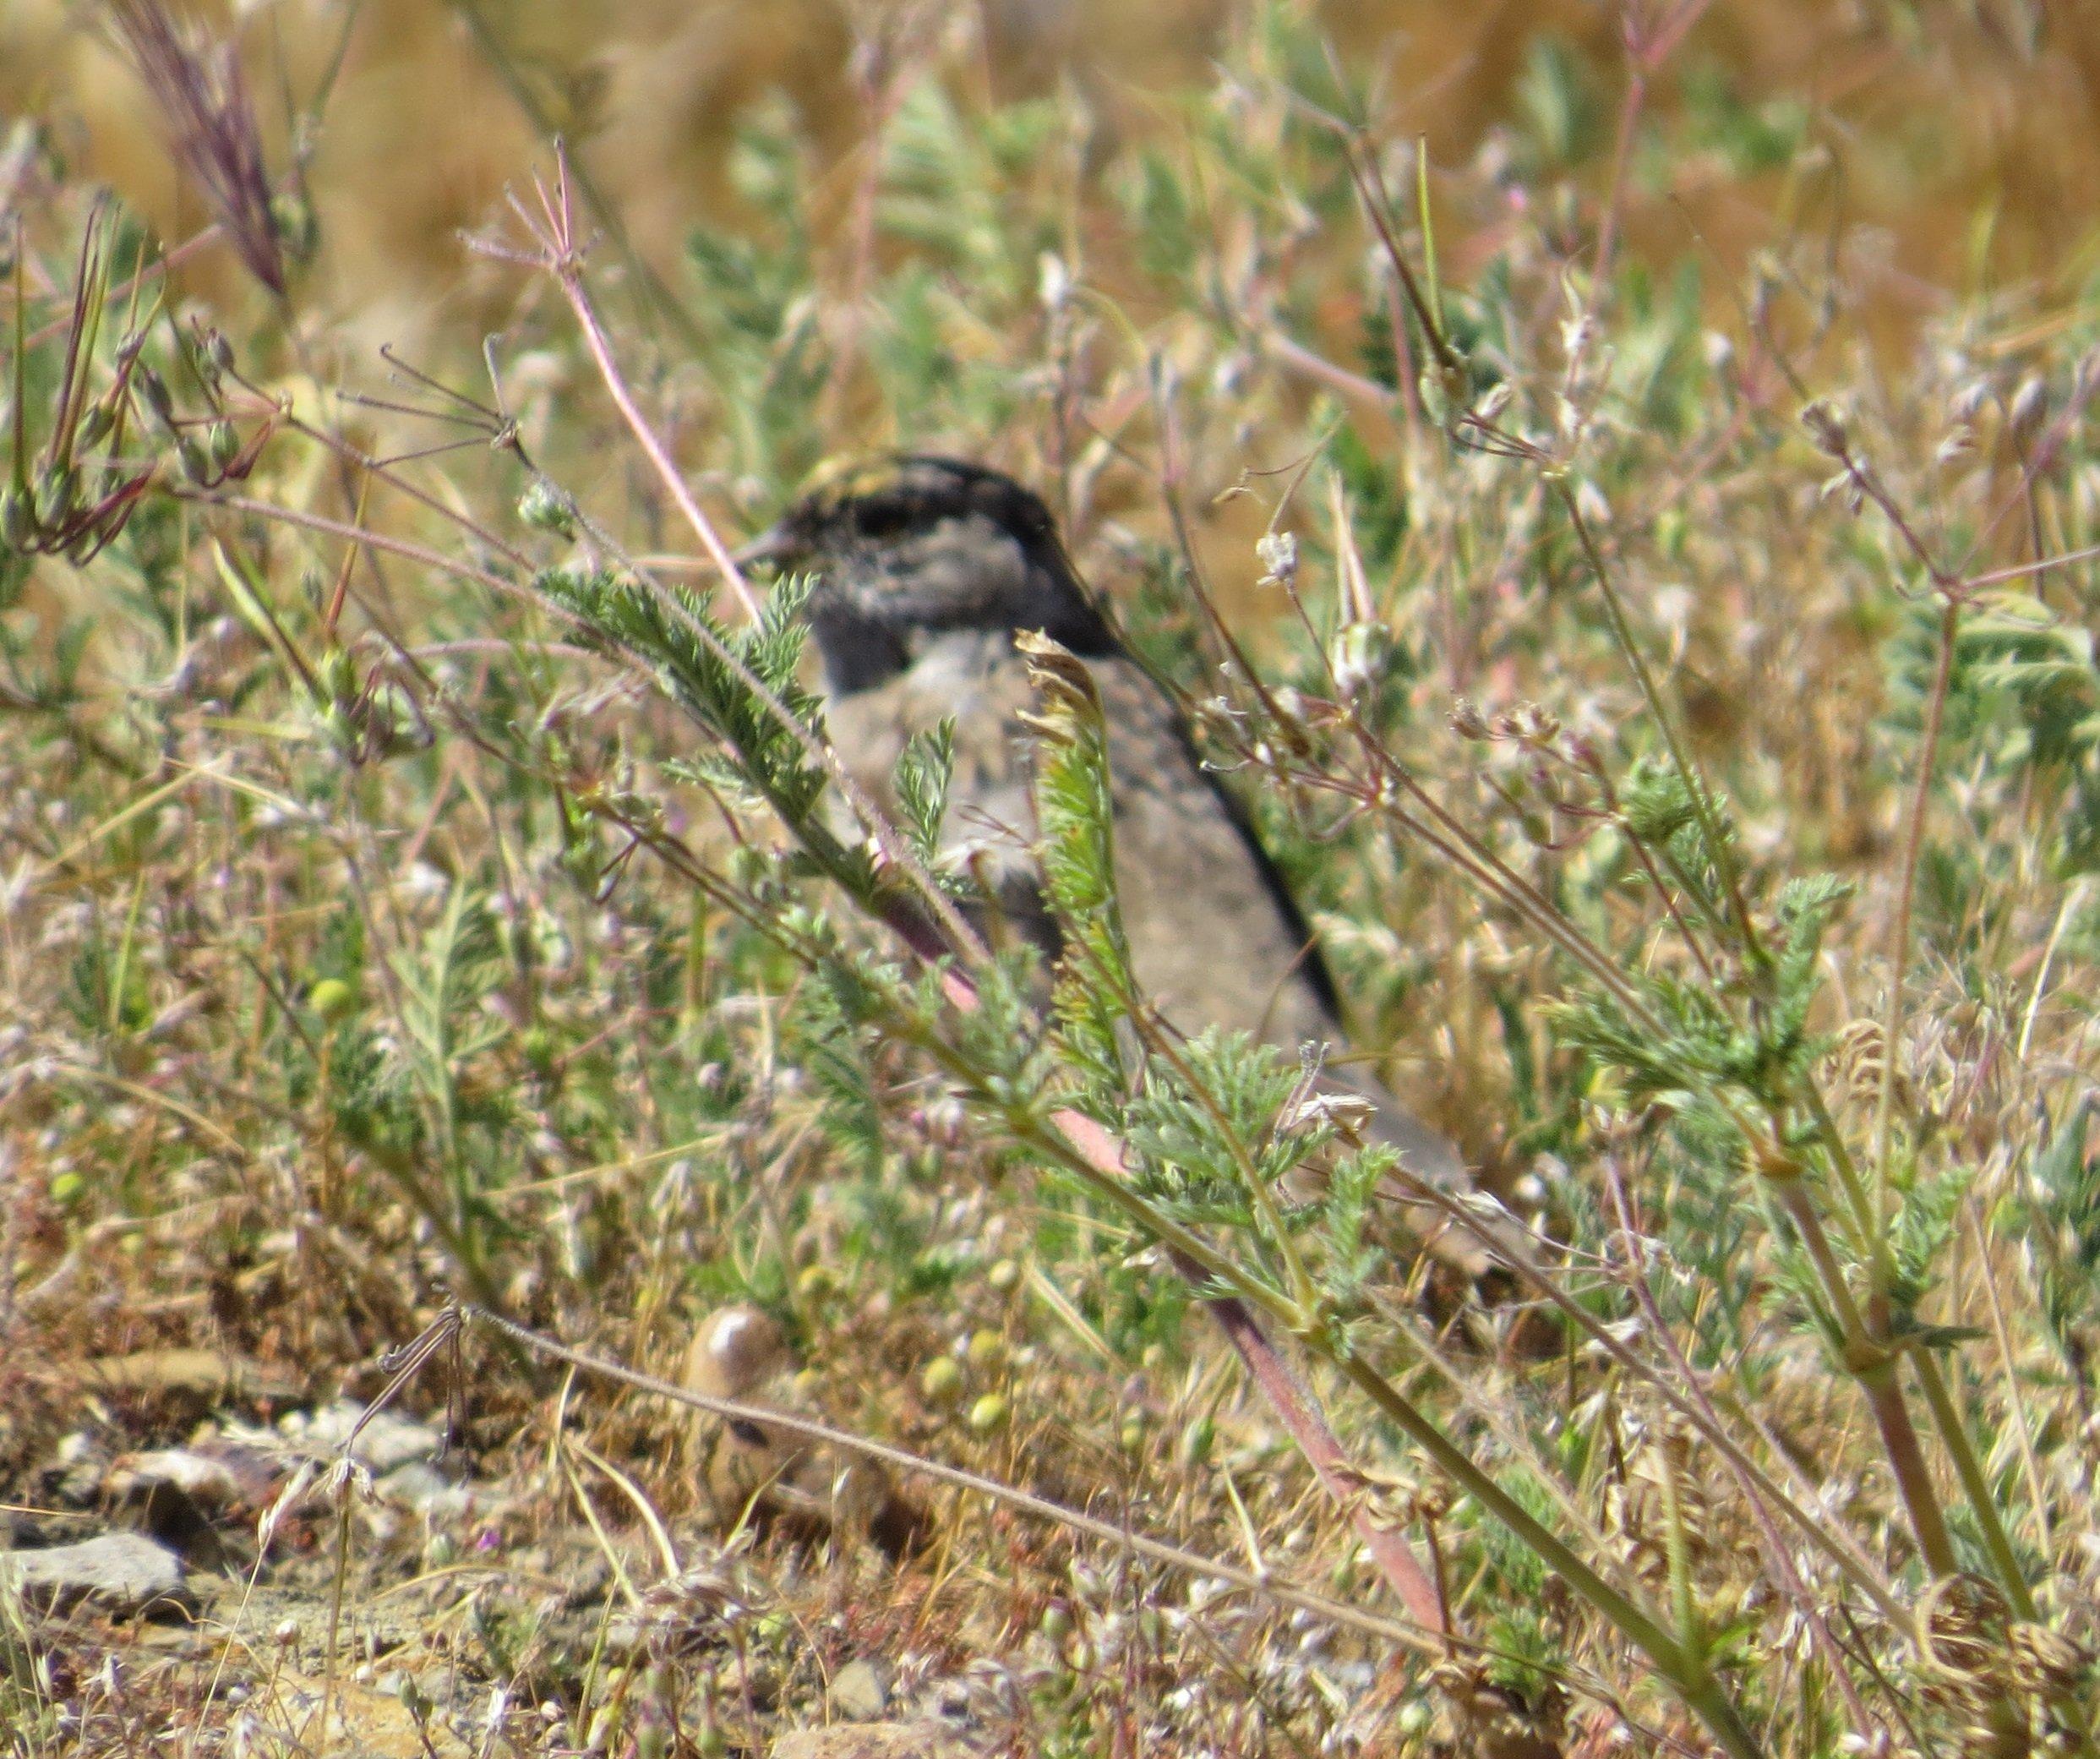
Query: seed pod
(941, 1381)
(1361, 654)
(1826, 427)
(2030, 406)
(1195, 1442)
(331, 998)
(54, 495)
(154, 389)
(14, 517)
(96, 421)
(1969, 400)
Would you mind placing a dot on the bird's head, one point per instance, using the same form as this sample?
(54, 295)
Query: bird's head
(921, 546)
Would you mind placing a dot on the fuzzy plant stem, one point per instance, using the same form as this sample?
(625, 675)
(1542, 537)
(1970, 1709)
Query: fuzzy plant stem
(1975, 1485)
(1870, 1361)
(1688, 1675)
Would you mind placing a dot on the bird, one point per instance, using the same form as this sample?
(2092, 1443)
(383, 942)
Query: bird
(927, 570)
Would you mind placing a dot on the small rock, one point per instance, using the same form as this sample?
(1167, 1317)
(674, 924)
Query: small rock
(860, 1693)
(120, 1574)
(206, 1375)
(422, 1489)
(735, 1349)
(871, 1740)
(750, 1467)
(384, 1442)
(208, 1481)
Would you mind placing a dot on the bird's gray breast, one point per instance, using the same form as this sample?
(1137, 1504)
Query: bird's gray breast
(1208, 941)
(1211, 942)
(974, 678)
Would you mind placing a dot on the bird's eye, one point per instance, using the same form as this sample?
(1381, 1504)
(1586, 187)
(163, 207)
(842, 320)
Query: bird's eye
(882, 517)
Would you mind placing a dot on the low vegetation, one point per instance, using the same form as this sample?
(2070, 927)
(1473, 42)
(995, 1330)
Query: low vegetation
(428, 912)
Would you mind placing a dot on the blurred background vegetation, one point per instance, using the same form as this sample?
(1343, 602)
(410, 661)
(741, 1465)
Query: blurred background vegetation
(1954, 146)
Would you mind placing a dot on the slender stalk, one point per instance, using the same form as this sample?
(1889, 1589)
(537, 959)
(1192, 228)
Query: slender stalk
(1691, 1678)
(1906, 893)
(1680, 756)
(563, 261)
(1954, 1436)
(1870, 1361)
(1906, 1460)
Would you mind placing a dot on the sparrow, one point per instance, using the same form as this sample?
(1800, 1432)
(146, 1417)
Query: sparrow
(925, 572)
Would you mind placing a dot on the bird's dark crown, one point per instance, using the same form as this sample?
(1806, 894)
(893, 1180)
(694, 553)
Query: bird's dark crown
(927, 545)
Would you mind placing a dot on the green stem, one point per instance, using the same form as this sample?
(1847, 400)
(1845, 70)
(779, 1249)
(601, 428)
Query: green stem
(1870, 1361)
(1694, 1682)
(1680, 758)
(1840, 1159)
(1900, 931)
(1954, 1435)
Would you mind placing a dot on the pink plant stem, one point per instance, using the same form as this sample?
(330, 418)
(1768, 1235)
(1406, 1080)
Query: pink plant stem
(566, 266)
(1292, 1401)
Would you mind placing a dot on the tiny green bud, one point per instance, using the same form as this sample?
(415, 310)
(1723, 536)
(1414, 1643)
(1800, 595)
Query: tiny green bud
(153, 387)
(941, 1381)
(67, 1186)
(331, 998)
(95, 420)
(544, 509)
(1198, 1438)
(14, 517)
(990, 1414)
(54, 495)
(986, 1348)
(1004, 1276)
